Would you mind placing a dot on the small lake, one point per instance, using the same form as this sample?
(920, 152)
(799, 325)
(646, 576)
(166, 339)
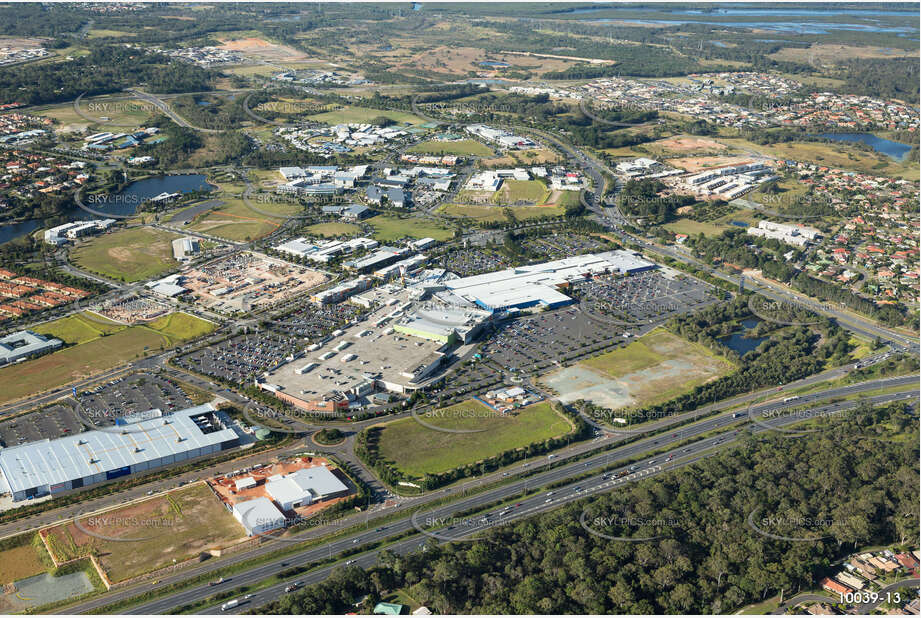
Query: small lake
(739, 223)
(739, 343)
(126, 202)
(893, 150)
(494, 65)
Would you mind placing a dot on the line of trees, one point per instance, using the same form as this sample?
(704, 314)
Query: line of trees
(707, 558)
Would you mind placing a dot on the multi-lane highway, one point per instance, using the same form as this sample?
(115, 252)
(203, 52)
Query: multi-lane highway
(906, 387)
(581, 488)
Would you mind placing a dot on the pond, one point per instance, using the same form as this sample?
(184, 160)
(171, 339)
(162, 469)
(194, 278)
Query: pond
(739, 342)
(126, 202)
(893, 150)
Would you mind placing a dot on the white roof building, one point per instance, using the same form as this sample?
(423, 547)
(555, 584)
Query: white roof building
(258, 516)
(305, 487)
(83, 459)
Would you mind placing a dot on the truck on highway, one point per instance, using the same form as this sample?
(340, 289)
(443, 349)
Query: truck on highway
(230, 605)
(293, 587)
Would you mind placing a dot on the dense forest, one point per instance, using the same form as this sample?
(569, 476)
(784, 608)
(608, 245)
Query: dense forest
(106, 69)
(708, 559)
(642, 199)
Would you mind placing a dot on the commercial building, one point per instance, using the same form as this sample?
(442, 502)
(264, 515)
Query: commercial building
(443, 324)
(184, 248)
(304, 487)
(258, 516)
(380, 258)
(799, 235)
(539, 284)
(144, 442)
(24, 344)
(76, 229)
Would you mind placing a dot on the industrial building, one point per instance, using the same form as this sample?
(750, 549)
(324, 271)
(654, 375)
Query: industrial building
(538, 285)
(140, 443)
(258, 516)
(304, 487)
(184, 248)
(23, 344)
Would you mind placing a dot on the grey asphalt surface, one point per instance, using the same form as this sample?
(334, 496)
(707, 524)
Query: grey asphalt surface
(528, 506)
(552, 475)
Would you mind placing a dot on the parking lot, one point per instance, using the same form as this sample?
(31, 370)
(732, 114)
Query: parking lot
(100, 406)
(312, 321)
(565, 244)
(239, 359)
(469, 262)
(539, 341)
(643, 298)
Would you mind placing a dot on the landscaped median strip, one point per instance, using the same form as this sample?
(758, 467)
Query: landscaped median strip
(230, 570)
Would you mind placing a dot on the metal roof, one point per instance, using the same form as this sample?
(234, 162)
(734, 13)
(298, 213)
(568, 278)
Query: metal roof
(316, 482)
(51, 462)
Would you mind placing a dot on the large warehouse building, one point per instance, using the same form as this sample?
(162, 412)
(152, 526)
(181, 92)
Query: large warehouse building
(154, 440)
(538, 284)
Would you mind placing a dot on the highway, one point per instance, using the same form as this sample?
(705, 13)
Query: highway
(525, 507)
(559, 473)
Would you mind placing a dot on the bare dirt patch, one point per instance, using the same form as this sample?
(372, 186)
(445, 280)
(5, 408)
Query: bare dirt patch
(697, 164)
(265, 50)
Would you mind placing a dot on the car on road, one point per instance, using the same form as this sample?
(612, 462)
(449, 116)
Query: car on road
(293, 587)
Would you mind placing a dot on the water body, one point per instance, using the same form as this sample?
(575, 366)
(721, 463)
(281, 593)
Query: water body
(495, 65)
(759, 12)
(739, 342)
(739, 223)
(893, 150)
(777, 26)
(127, 202)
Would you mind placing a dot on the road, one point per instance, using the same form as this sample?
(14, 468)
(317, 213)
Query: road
(560, 473)
(527, 507)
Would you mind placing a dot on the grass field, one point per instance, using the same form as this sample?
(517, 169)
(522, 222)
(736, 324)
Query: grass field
(498, 213)
(464, 147)
(389, 228)
(134, 111)
(364, 114)
(654, 368)
(128, 255)
(238, 222)
(109, 348)
(333, 229)
(515, 191)
(22, 561)
(78, 328)
(693, 228)
(837, 154)
(434, 451)
(179, 326)
(174, 527)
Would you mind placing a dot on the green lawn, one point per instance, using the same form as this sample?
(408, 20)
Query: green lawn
(357, 114)
(464, 147)
(78, 328)
(236, 221)
(693, 228)
(129, 255)
(179, 326)
(498, 213)
(418, 450)
(110, 347)
(389, 228)
(513, 191)
(333, 229)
